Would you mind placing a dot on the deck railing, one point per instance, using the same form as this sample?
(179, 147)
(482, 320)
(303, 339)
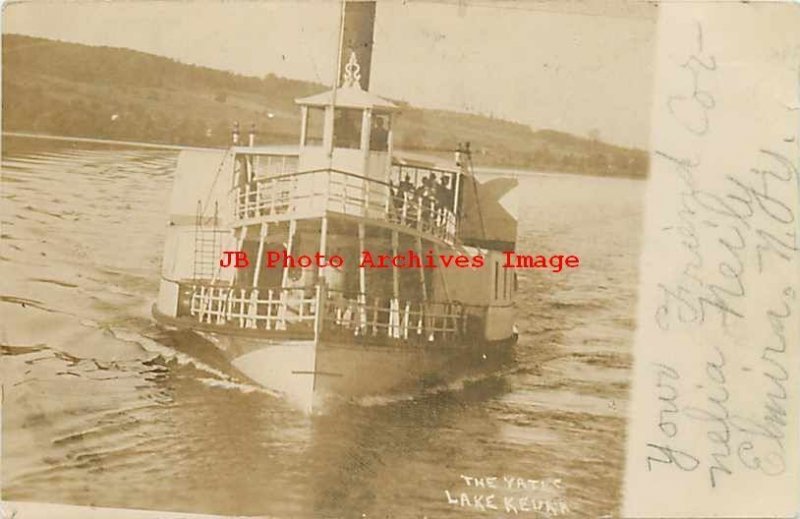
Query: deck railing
(362, 316)
(253, 308)
(312, 193)
(329, 313)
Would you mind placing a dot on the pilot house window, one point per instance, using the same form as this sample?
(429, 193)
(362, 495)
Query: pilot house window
(315, 125)
(347, 128)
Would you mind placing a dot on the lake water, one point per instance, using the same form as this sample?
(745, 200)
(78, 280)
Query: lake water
(102, 407)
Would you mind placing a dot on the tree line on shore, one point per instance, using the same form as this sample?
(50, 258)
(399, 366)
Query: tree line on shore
(69, 89)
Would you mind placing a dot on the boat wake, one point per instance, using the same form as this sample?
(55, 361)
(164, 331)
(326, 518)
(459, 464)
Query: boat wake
(217, 378)
(485, 385)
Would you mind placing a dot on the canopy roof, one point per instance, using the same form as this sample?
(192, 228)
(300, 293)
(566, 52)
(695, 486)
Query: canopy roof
(419, 160)
(348, 97)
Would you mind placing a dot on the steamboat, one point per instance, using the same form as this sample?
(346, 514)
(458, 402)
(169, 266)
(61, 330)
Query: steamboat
(326, 334)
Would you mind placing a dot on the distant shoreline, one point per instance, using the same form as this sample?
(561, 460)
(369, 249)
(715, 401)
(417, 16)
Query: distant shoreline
(132, 144)
(479, 170)
(489, 171)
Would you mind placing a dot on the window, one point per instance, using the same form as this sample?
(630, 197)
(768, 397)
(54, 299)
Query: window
(315, 125)
(347, 128)
(379, 134)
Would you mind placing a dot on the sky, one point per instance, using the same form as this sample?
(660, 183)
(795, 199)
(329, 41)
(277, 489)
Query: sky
(570, 65)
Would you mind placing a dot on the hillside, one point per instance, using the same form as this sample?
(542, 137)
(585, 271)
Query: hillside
(60, 88)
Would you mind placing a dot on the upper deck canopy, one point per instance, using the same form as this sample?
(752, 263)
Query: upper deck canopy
(348, 97)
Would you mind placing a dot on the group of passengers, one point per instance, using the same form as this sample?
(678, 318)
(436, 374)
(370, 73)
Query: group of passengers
(430, 198)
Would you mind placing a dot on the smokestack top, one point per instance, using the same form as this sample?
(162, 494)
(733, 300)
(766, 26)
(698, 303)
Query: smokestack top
(358, 32)
(356, 48)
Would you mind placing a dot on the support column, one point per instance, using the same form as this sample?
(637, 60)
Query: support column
(289, 244)
(422, 272)
(284, 297)
(248, 161)
(239, 245)
(327, 132)
(321, 279)
(303, 127)
(362, 283)
(422, 324)
(323, 244)
(447, 309)
(394, 307)
(259, 258)
(456, 194)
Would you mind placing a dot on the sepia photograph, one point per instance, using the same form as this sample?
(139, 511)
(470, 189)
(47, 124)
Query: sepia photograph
(344, 258)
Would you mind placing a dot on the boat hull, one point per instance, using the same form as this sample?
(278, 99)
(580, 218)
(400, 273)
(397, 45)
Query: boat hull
(316, 375)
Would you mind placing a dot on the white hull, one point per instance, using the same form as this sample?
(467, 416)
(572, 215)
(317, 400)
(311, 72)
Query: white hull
(314, 377)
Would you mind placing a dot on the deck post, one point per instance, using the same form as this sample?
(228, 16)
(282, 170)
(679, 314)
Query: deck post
(321, 283)
(323, 246)
(248, 164)
(259, 257)
(362, 283)
(247, 200)
(281, 324)
(319, 316)
(422, 272)
(241, 308)
(423, 320)
(456, 194)
(239, 245)
(303, 131)
(406, 316)
(420, 212)
(394, 307)
(252, 310)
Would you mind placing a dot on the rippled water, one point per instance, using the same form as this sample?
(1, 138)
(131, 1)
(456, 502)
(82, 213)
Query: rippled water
(101, 407)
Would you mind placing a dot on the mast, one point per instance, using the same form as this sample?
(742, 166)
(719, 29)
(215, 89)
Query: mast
(337, 72)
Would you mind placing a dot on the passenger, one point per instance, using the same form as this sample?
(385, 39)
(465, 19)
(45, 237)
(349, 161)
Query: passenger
(241, 167)
(428, 198)
(416, 209)
(430, 187)
(441, 190)
(405, 193)
(379, 137)
(406, 186)
(421, 189)
(396, 205)
(445, 193)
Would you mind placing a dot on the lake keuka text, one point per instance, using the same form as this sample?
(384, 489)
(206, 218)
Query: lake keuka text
(510, 495)
(409, 260)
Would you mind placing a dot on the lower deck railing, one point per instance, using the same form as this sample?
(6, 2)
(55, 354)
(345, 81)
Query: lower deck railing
(325, 313)
(252, 308)
(393, 318)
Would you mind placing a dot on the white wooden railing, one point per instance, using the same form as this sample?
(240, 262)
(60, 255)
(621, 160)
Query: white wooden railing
(393, 318)
(357, 316)
(252, 308)
(312, 193)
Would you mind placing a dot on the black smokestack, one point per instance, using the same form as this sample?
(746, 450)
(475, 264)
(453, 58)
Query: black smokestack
(357, 36)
